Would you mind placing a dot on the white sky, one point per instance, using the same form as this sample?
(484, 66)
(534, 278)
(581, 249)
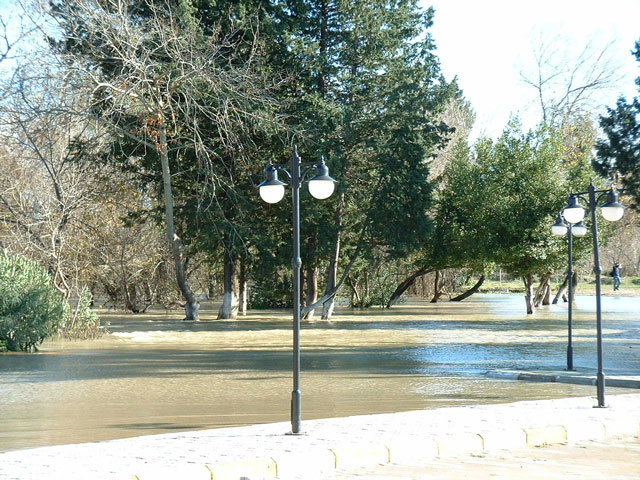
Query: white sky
(488, 43)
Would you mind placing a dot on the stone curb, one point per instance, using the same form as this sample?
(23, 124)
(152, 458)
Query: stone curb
(559, 378)
(350, 457)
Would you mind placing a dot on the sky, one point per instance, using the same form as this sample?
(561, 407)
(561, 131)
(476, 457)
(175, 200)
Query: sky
(487, 43)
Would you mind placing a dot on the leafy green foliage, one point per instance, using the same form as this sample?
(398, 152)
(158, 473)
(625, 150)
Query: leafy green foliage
(82, 323)
(499, 201)
(30, 307)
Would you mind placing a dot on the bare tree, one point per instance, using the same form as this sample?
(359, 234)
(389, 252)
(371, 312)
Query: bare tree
(10, 38)
(173, 90)
(47, 182)
(568, 85)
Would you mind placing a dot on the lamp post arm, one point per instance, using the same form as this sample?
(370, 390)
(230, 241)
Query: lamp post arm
(282, 167)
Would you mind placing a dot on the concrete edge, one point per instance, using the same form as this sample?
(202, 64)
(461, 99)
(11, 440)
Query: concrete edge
(360, 455)
(560, 378)
(352, 456)
(261, 467)
(401, 451)
(545, 435)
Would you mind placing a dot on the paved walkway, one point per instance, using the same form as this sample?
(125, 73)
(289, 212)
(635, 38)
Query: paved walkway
(264, 451)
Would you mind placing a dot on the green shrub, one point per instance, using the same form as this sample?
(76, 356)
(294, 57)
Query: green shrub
(82, 323)
(31, 309)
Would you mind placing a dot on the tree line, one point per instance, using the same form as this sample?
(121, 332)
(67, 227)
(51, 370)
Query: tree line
(133, 135)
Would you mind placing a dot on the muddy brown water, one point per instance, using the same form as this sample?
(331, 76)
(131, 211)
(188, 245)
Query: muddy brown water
(155, 374)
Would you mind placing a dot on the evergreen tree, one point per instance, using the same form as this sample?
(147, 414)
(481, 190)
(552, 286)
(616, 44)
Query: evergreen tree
(619, 153)
(368, 98)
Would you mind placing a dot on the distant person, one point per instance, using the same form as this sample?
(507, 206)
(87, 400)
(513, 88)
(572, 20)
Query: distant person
(615, 273)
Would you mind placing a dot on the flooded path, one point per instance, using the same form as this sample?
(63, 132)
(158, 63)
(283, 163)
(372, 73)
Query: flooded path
(154, 373)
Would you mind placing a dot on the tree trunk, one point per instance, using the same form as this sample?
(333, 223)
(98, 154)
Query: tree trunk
(242, 287)
(529, 295)
(400, 289)
(356, 299)
(438, 285)
(329, 305)
(471, 291)
(330, 293)
(561, 290)
(574, 286)
(312, 290)
(192, 306)
(229, 308)
(131, 298)
(542, 291)
(546, 299)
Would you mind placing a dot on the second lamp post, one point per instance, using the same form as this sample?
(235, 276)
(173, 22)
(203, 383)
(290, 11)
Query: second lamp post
(579, 230)
(321, 186)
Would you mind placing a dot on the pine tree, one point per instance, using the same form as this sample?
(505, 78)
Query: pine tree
(371, 95)
(619, 153)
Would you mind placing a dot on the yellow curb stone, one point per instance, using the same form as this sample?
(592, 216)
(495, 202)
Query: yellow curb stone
(354, 456)
(187, 471)
(620, 427)
(459, 444)
(549, 435)
(503, 439)
(290, 464)
(258, 468)
(584, 430)
(407, 452)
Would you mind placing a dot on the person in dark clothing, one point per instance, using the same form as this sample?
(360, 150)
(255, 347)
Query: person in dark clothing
(615, 273)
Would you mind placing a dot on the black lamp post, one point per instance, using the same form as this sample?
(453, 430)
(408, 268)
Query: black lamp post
(579, 230)
(321, 186)
(612, 211)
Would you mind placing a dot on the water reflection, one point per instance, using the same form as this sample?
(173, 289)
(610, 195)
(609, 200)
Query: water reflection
(154, 373)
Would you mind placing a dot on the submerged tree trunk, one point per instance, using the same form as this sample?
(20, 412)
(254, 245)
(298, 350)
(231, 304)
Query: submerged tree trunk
(574, 288)
(242, 288)
(546, 299)
(542, 291)
(356, 299)
(471, 291)
(332, 277)
(410, 280)
(438, 285)
(312, 290)
(229, 308)
(529, 295)
(192, 306)
(561, 290)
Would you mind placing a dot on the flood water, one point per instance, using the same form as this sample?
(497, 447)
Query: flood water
(154, 373)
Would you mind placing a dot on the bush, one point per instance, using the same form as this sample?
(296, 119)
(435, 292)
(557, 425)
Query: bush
(83, 323)
(31, 309)
(275, 293)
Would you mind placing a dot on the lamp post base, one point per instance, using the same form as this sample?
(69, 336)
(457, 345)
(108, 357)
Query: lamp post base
(600, 388)
(570, 359)
(296, 412)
